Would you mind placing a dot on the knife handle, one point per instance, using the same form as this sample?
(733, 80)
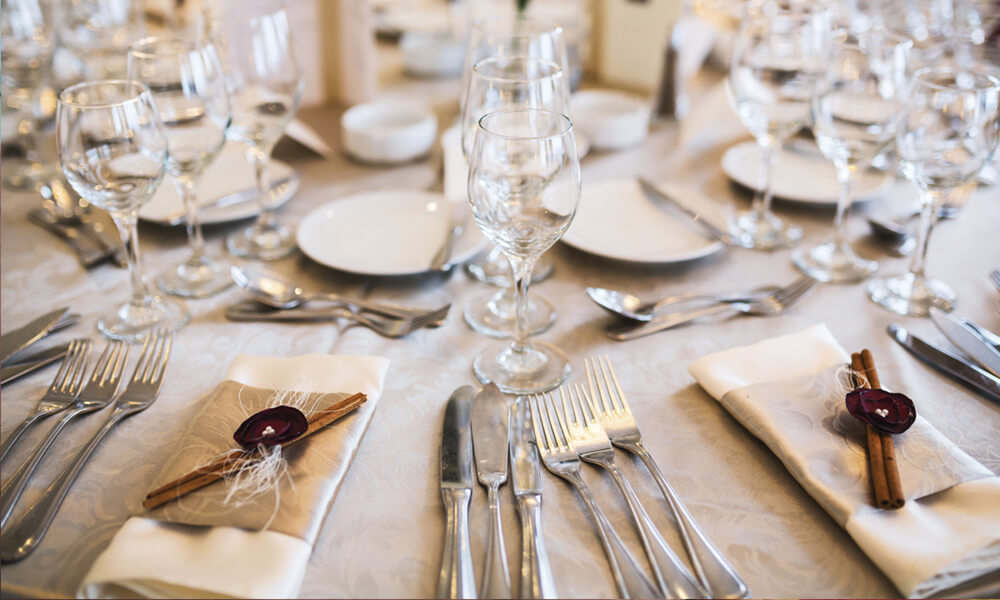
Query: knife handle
(87, 252)
(496, 575)
(668, 321)
(457, 579)
(536, 573)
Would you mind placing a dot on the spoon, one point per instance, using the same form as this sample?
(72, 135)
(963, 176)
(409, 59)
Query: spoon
(895, 233)
(632, 307)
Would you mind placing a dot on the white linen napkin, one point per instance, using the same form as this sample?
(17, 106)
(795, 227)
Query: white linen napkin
(151, 558)
(784, 390)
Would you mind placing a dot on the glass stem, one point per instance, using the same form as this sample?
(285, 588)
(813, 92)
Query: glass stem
(931, 204)
(195, 238)
(762, 199)
(522, 279)
(845, 176)
(260, 156)
(128, 226)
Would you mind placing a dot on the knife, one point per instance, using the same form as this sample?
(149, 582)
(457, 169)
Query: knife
(95, 222)
(240, 197)
(967, 340)
(19, 339)
(457, 579)
(489, 416)
(988, 336)
(32, 363)
(526, 477)
(87, 250)
(973, 376)
(654, 193)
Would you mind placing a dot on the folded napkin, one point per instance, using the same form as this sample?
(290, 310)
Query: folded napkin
(789, 392)
(197, 545)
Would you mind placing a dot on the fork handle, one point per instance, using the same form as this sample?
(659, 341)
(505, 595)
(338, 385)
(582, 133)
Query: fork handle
(387, 310)
(536, 572)
(714, 571)
(28, 422)
(671, 320)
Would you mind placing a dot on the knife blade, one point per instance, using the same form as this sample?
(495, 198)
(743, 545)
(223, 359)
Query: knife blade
(974, 377)
(988, 336)
(489, 415)
(88, 251)
(32, 363)
(655, 194)
(19, 339)
(526, 477)
(457, 579)
(967, 340)
(278, 188)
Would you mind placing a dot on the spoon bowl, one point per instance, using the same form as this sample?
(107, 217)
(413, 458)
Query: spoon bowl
(632, 307)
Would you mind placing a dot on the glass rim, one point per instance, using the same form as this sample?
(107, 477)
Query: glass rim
(141, 88)
(919, 78)
(568, 124)
(544, 25)
(557, 72)
(190, 43)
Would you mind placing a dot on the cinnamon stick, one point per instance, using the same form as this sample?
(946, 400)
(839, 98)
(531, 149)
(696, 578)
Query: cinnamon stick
(896, 496)
(230, 463)
(880, 484)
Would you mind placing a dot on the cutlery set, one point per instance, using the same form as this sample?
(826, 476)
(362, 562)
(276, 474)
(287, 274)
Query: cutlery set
(13, 345)
(88, 230)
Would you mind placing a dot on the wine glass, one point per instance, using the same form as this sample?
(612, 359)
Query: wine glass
(855, 120)
(778, 66)
(185, 78)
(524, 187)
(949, 131)
(113, 151)
(497, 83)
(265, 89)
(99, 32)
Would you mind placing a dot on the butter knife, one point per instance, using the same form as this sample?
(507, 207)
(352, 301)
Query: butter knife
(654, 193)
(457, 579)
(13, 342)
(972, 376)
(526, 477)
(967, 340)
(89, 252)
(489, 416)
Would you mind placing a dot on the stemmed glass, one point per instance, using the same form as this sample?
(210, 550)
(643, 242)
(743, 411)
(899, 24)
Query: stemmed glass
(779, 64)
(265, 89)
(99, 33)
(854, 120)
(949, 131)
(524, 187)
(113, 149)
(185, 78)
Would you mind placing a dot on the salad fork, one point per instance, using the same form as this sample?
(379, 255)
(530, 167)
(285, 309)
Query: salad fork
(555, 445)
(594, 447)
(713, 570)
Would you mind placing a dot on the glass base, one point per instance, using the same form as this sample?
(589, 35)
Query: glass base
(269, 242)
(832, 263)
(493, 314)
(131, 322)
(538, 368)
(908, 294)
(27, 176)
(197, 277)
(494, 268)
(763, 231)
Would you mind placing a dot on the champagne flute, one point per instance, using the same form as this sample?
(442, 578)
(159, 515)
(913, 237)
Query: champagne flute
(949, 131)
(524, 187)
(778, 66)
(185, 78)
(855, 120)
(113, 151)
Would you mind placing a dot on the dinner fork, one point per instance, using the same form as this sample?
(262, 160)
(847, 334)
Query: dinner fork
(555, 445)
(769, 305)
(21, 538)
(387, 326)
(594, 447)
(96, 395)
(61, 394)
(713, 570)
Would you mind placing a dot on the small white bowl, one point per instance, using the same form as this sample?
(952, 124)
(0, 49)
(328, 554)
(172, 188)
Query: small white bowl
(388, 132)
(432, 55)
(611, 120)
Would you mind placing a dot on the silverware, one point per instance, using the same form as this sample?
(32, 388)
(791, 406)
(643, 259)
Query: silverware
(96, 395)
(995, 278)
(488, 417)
(968, 340)
(971, 375)
(713, 231)
(88, 251)
(247, 196)
(385, 326)
(769, 305)
(61, 393)
(632, 307)
(442, 258)
(526, 478)
(556, 447)
(32, 363)
(714, 572)
(895, 233)
(988, 336)
(14, 341)
(21, 538)
(457, 579)
(71, 209)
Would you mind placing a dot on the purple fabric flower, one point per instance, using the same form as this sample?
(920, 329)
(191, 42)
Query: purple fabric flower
(271, 427)
(885, 411)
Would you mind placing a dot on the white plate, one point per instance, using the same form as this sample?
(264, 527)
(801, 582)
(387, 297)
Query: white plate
(800, 175)
(389, 232)
(616, 220)
(228, 174)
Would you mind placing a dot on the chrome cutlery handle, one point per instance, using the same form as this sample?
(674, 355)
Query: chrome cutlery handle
(28, 422)
(536, 572)
(457, 579)
(88, 254)
(672, 320)
(496, 575)
(714, 571)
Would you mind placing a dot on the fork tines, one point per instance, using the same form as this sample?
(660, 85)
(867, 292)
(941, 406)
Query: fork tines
(153, 359)
(111, 363)
(73, 368)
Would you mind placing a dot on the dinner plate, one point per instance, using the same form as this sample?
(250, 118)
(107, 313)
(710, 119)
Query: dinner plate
(617, 220)
(801, 174)
(387, 232)
(230, 173)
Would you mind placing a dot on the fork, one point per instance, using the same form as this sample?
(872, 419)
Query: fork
(594, 447)
(769, 305)
(96, 395)
(21, 538)
(713, 570)
(394, 328)
(559, 456)
(388, 326)
(64, 389)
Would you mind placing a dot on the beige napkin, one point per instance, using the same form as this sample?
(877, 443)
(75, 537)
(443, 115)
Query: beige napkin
(788, 391)
(199, 547)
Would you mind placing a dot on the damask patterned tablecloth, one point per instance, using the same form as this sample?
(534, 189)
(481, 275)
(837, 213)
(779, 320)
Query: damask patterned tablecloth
(383, 535)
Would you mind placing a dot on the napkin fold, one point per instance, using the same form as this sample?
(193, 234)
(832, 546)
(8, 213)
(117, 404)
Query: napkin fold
(251, 551)
(789, 392)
